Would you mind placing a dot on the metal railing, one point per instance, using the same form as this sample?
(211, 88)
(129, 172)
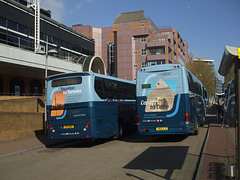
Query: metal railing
(27, 43)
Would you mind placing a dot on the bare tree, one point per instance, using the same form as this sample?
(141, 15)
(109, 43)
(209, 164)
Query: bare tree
(205, 74)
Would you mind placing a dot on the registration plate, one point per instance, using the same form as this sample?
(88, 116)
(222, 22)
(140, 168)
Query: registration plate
(161, 128)
(68, 127)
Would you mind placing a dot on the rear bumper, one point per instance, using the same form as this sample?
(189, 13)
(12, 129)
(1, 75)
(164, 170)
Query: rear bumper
(171, 130)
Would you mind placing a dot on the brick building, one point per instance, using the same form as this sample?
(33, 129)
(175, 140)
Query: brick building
(134, 41)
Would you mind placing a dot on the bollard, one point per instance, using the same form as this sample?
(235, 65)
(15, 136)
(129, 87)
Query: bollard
(230, 170)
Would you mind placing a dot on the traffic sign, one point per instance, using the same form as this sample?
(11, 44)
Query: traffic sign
(238, 52)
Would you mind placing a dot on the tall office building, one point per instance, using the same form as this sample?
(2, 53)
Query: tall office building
(134, 41)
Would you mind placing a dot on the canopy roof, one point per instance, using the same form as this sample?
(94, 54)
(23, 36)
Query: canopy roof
(229, 56)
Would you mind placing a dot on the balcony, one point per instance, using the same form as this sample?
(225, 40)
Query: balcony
(152, 44)
(156, 57)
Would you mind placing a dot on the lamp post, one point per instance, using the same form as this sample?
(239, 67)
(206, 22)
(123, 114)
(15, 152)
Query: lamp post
(46, 53)
(50, 52)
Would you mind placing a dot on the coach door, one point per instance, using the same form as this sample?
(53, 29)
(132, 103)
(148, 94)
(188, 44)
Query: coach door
(109, 106)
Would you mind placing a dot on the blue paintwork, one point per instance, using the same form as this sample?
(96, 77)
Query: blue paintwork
(91, 116)
(184, 101)
(102, 116)
(172, 119)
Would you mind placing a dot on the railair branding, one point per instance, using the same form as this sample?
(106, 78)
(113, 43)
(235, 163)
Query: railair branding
(70, 90)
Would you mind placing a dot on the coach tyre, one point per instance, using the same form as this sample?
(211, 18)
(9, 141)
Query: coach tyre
(196, 127)
(203, 120)
(119, 130)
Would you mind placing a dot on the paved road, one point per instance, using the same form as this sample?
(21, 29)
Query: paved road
(134, 157)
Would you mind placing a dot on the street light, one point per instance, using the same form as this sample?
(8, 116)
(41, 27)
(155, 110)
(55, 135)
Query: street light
(46, 53)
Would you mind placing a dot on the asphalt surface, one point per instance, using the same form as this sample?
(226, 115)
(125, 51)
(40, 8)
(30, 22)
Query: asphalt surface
(219, 149)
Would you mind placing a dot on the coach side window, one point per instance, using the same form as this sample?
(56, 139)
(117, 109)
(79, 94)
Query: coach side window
(99, 87)
(111, 89)
(194, 86)
(190, 82)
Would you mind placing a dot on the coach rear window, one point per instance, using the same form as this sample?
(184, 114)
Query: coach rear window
(66, 81)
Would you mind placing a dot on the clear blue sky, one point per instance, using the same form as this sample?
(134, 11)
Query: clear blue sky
(207, 25)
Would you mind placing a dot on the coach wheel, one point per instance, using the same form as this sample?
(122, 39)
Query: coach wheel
(196, 127)
(119, 131)
(203, 121)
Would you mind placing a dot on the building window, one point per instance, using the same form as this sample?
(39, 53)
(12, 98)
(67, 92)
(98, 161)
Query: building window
(104, 38)
(157, 51)
(3, 22)
(161, 62)
(135, 52)
(152, 63)
(13, 40)
(30, 32)
(143, 64)
(22, 29)
(142, 24)
(36, 87)
(144, 52)
(162, 39)
(52, 40)
(144, 39)
(12, 25)
(111, 58)
(16, 87)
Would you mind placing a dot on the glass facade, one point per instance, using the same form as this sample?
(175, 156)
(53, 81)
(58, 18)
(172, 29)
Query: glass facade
(18, 33)
(17, 29)
(111, 59)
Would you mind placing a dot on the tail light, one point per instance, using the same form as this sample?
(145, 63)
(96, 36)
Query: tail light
(138, 120)
(187, 118)
(87, 125)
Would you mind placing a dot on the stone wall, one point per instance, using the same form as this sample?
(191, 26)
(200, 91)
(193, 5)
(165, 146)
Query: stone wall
(20, 118)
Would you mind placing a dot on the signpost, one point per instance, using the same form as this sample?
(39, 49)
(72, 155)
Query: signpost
(238, 52)
(237, 89)
(231, 56)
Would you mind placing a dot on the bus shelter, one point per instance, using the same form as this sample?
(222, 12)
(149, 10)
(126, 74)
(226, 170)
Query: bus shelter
(231, 59)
